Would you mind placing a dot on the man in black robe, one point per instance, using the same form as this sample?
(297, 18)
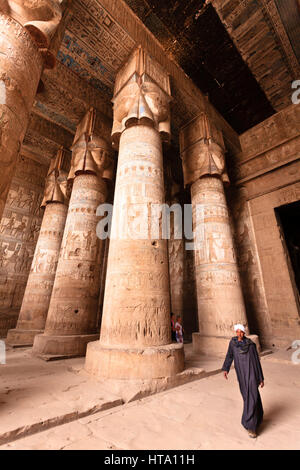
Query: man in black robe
(249, 373)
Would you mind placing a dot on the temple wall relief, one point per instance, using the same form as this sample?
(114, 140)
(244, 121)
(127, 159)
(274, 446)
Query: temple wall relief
(19, 230)
(267, 178)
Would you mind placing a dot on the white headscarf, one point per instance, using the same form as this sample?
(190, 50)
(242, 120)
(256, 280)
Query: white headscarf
(239, 326)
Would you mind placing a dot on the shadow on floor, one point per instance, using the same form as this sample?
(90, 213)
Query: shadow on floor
(272, 415)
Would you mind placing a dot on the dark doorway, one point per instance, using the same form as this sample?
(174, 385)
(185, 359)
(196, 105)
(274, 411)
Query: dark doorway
(288, 218)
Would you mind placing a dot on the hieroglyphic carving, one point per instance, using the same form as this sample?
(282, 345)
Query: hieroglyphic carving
(43, 128)
(220, 300)
(57, 188)
(254, 27)
(76, 286)
(106, 44)
(20, 70)
(73, 309)
(95, 60)
(273, 180)
(281, 297)
(40, 282)
(91, 153)
(114, 25)
(136, 311)
(275, 131)
(26, 30)
(249, 267)
(142, 95)
(202, 150)
(38, 147)
(19, 230)
(143, 301)
(59, 103)
(269, 171)
(219, 294)
(106, 20)
(40, 18)
(271, 11)
(182, 276)
(269, 161)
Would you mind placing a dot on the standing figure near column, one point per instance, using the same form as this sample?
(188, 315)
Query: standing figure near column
(72, 316)
(34, 309)
(250, 376)
(219, 294)
(135, 340)
(25, 36)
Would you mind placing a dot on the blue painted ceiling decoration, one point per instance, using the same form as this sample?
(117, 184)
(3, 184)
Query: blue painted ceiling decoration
(216, 43)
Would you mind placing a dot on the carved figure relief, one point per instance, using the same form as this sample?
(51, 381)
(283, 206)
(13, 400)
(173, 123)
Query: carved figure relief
(41, 19)
(19, 228)
(248, 263)
(141, 96)
(202, 151)
(91, 153)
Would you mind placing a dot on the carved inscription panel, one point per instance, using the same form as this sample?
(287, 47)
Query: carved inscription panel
(19, 230)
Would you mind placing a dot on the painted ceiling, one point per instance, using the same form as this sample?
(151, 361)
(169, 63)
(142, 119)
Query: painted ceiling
(232, 50)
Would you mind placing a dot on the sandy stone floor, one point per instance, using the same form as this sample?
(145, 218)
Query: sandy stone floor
(204, 414)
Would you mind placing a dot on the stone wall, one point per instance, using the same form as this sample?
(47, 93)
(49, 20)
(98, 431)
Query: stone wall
(249, 266)
(19, 230)
(268, 177)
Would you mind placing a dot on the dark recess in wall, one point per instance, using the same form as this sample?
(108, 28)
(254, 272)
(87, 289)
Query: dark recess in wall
(194, 35)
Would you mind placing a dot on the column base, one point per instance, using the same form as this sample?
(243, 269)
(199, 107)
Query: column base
(124, 363)
(216, 345)
(21, 338)
(60, 347)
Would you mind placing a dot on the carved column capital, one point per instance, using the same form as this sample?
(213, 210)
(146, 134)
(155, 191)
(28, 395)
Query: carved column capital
(142, 96)
(41, 19)
(202, 150)
(57, 188)
(90, 152)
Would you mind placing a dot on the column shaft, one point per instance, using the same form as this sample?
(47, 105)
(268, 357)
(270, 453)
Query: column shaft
(219, 294)
(220, 300)
(34, 309)
(72, 316)
(135, 332)
(135, 339)
(137, 286)
(20, 70)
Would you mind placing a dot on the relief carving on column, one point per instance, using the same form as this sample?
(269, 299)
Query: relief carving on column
(135, 337)
(219, 295)
(40, 18)
(57, 188)
(91, 153)
(19, 229)
(142, 96)
(26, 32)
(202, 151)
(249, 265)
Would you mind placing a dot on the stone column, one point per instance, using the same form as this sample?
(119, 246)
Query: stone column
(34, 309)
(135, 339)
(72, 316)
(181, 268)
(25, 37)
(219, 294)
(175, 252)
(104, 263)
